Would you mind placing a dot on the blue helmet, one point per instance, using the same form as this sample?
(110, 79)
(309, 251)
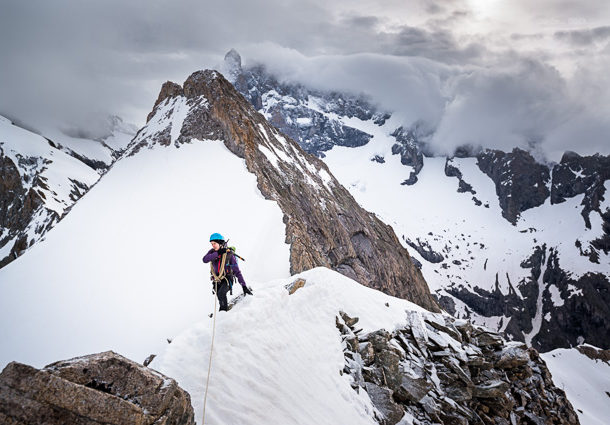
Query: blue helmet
(217, 237)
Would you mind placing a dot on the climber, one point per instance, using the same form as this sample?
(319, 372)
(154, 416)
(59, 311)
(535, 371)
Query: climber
(224, 269)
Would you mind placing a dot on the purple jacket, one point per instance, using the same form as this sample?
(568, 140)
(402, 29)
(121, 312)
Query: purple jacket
(231, 265)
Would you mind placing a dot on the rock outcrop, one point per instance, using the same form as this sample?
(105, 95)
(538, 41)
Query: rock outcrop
(18, 204)
(438, 370)
(521, 182)
(325, 226)
(410, 151)
(103, 388)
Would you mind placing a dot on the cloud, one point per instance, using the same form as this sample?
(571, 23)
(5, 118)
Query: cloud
(584, 37)
(514, 106)
(492, 73)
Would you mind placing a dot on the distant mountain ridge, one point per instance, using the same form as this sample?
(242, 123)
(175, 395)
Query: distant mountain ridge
(42, 177)
(545, 294)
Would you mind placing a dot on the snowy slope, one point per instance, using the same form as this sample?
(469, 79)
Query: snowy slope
(35, 156)
(480, 248)
(585, 381)
(54, 171)
(123, 270)
(277, 357)
(100, 152)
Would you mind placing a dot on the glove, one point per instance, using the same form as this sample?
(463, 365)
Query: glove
(222, 251)
(246, 290)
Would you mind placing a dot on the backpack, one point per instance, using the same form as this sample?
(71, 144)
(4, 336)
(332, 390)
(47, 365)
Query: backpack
(225, 260)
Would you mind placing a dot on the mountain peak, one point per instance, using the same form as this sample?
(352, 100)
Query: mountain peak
(324, 224)
(232, 65)
(233, 59)
(168, 89)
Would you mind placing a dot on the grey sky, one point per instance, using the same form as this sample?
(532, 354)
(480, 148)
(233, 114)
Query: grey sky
(497, 73)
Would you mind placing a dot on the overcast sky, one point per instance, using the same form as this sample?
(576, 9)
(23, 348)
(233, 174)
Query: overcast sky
(497, 73)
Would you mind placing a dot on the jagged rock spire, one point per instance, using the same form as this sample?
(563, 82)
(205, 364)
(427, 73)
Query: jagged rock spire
(232, 65)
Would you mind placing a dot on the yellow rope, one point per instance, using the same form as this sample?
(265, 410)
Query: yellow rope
(205, 398)
(221, 275)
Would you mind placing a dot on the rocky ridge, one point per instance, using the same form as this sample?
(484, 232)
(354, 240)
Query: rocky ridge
(437, 369)
(103, 388)
(306, 115)
(325, 226)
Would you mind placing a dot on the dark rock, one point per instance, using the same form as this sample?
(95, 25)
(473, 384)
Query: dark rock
(576, 175)
(521, 182)
(168, 90)
(491, 389)
(382, 399)
(149, 359)
(412, 390)
(293, 286)
(497, 385)
(452, 171)
(425, 250)
(349, 321)
(101, 388)
(287, 107)
(512, 357)
(409, 148)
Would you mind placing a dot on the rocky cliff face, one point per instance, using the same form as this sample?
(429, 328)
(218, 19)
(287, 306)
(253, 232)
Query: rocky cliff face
(18, 205)
(521, 182)
(102, 388)
(549, 309)
(439, 370)
(325, 226)
(308, 116)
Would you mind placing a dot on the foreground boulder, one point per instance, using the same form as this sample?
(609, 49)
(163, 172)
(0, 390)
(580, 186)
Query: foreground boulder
(103, 388)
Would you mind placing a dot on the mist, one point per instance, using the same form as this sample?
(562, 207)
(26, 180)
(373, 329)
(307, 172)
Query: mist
(489, 74)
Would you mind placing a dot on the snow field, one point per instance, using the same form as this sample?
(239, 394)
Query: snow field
(585, 381)
(277, 357)
(123, 270)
